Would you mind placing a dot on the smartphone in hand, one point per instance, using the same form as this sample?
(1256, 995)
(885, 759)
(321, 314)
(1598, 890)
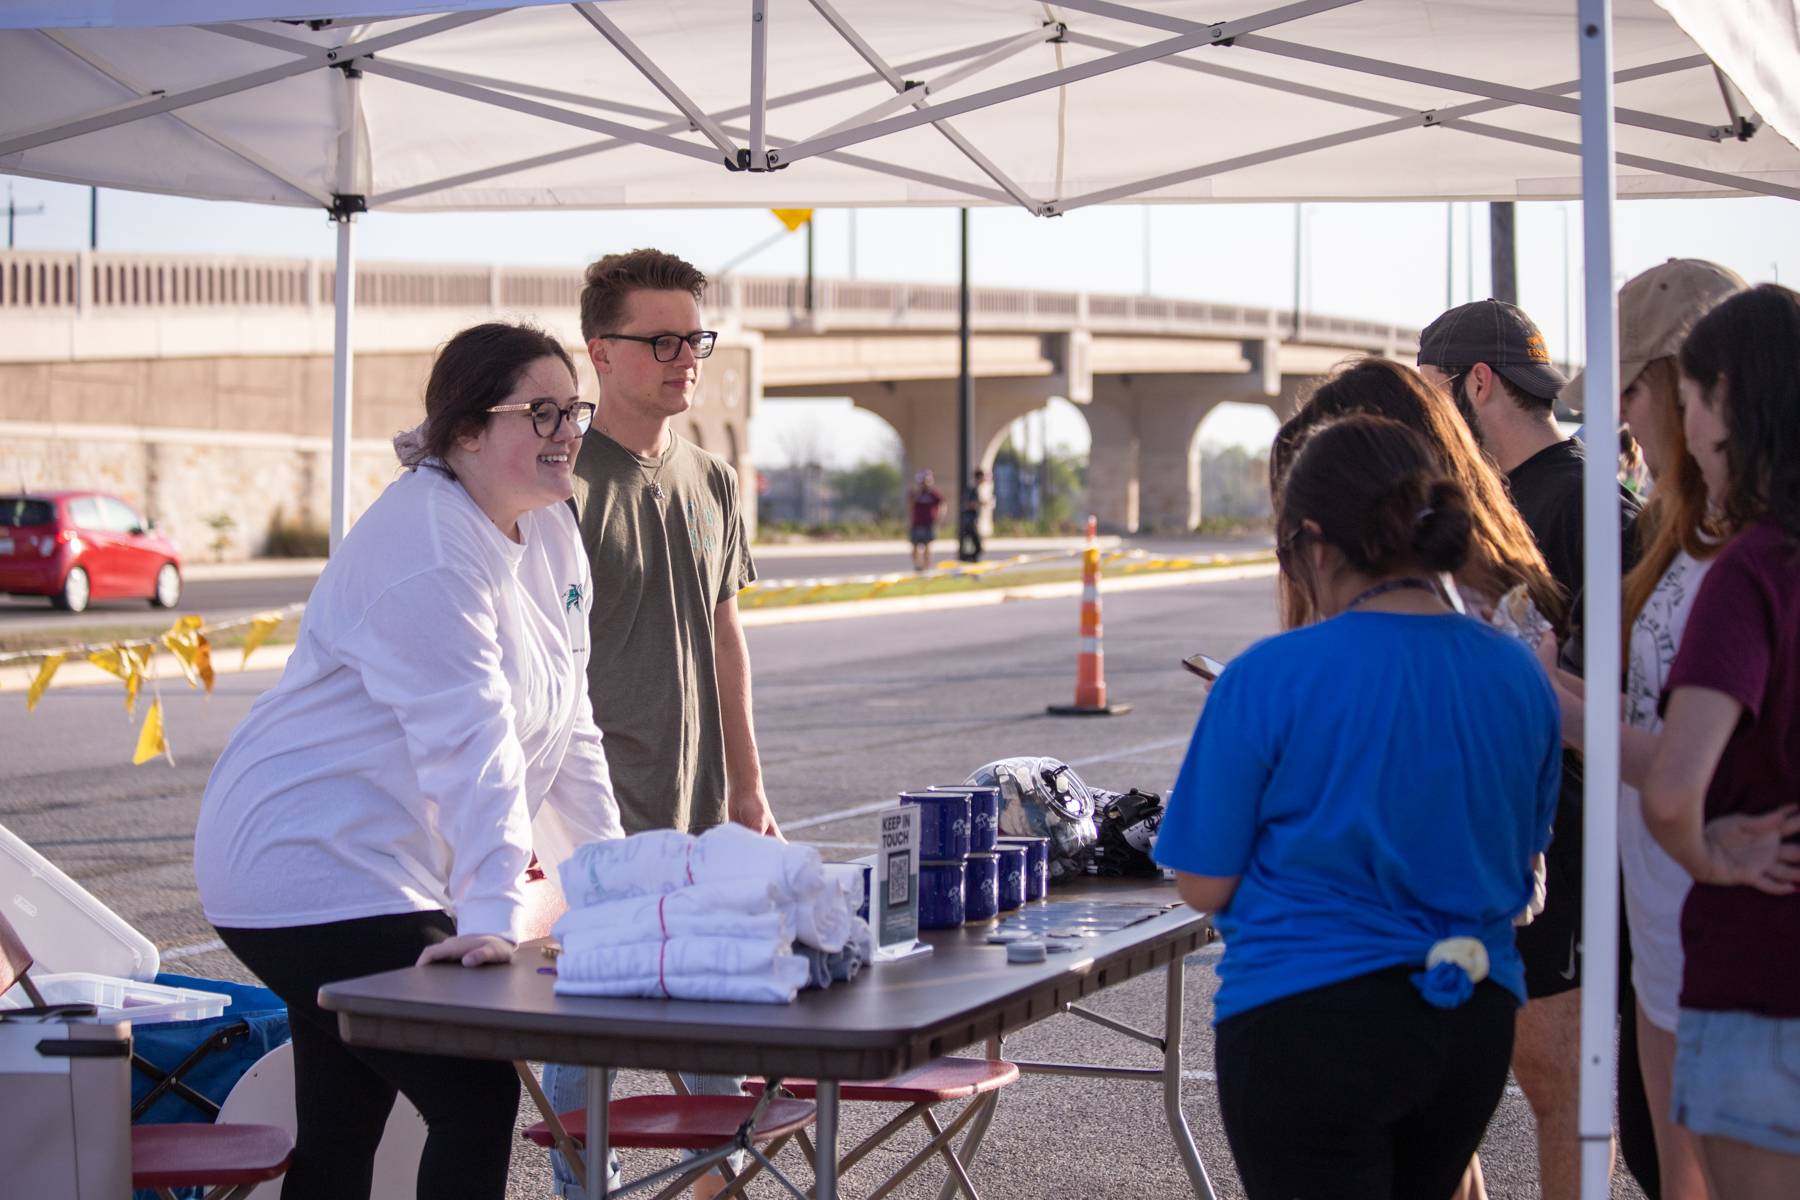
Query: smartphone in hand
(1206, 668)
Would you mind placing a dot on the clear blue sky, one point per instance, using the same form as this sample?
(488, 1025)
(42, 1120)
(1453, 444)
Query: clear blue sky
(1376, 261)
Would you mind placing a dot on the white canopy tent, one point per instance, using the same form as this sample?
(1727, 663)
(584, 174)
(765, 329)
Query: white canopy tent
(459, 104)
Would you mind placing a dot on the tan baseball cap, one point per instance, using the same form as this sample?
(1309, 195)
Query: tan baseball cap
(1657, 310)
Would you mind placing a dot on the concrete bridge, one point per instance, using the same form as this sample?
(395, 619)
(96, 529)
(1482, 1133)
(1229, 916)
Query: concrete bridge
(198, 383)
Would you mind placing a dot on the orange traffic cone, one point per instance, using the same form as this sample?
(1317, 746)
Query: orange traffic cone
(1090, 663)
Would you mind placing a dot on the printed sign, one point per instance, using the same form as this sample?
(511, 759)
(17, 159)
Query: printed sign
(894, 902)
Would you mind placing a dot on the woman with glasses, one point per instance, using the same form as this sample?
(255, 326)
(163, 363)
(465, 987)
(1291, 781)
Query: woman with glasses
(1359, 809)
(378, 806)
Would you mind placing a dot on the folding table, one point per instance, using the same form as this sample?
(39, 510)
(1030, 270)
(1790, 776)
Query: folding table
(893, 1017)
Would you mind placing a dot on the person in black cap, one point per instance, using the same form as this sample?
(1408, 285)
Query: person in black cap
(1494, 363)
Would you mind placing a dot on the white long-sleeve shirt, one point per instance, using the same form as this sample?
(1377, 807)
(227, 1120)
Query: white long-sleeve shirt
(434, 710)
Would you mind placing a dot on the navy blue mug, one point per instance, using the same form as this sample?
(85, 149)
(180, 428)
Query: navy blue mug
(1012, 877)
(981, 888)
(984, 812)
(941, 887)
(943, 824)
(1037, 864)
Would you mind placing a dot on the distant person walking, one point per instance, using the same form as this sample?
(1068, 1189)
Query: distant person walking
(977, 500)
(926, 503)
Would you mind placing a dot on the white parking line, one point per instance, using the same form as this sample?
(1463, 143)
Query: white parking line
(863, 810)
(191, 951)
(1132, 751)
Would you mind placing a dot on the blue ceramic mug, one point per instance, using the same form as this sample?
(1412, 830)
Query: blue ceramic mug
(1037, 864)
(941, 887)
(943, 824)
(1012, 877)
(984, 812)
(981, 888)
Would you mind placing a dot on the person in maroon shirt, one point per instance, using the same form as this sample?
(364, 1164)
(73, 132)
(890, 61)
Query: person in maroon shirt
(926, 502)
(1723, 785)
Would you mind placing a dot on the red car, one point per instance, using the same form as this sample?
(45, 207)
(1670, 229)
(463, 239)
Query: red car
(79, 546)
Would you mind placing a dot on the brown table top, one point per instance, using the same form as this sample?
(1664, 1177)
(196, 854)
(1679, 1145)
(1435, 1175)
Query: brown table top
(893, 1016)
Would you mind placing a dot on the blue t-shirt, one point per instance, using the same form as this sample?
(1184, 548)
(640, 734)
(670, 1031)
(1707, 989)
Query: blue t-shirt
(1380, 781)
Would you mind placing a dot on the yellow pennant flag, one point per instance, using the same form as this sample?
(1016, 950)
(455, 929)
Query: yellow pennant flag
(150, 738)
(793, 218)
(117, 660)
(189, 645)
(261, 626)
(111, 660)
(46, 672)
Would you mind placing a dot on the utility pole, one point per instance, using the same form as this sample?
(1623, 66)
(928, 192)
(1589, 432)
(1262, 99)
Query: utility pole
(1503, 251)
(1299, 259)
(965, 379)
(13, 212)
(809, 263)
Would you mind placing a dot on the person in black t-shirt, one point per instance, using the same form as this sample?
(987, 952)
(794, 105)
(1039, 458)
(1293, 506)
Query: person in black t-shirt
(1494, 363)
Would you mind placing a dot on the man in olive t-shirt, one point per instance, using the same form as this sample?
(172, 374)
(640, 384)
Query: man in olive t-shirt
(662, 564)
(670, 669)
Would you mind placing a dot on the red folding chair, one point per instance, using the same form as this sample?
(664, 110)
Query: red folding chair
(230, 1159)
(715, 1127)
(922, 1089)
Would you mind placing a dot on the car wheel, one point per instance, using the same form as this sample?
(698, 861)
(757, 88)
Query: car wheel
(74, 594)
(168, 587)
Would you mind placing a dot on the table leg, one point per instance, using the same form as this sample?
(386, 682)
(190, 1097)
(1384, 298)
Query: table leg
(825, 1161)
(599, 1148)
(1173, 1011)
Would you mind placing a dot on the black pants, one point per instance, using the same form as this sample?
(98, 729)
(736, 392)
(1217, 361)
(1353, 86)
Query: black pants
(343, 1094)
(1361, 1090)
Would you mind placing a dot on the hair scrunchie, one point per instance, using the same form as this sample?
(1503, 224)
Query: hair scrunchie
(409, 446)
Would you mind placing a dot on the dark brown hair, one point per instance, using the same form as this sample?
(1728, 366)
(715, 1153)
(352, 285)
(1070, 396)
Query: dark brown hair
(607, 284)
(1375, 490)
(475, 370)
(1503, 553)
(1751, 341)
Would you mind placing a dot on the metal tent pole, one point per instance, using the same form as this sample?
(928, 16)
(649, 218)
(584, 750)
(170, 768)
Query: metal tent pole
(1600, 615)
(344, 304)
(344, 206)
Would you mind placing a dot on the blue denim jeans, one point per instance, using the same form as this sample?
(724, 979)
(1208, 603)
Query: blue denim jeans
(566, 1088)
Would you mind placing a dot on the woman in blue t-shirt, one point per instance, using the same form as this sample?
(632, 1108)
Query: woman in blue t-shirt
(1360, 808)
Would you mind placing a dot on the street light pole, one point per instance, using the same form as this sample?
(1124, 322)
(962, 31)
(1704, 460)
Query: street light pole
(965, 379)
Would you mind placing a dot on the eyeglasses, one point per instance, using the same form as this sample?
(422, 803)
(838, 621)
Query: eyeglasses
(547, 417)
(1285, 547)
(667, 346)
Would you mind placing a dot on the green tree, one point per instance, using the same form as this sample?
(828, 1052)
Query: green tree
(872, 488)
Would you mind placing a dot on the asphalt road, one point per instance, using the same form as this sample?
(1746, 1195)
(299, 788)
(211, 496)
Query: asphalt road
(848, 713)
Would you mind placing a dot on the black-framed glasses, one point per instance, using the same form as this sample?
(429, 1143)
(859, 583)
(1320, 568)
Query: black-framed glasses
(667, 346)
(547, 416)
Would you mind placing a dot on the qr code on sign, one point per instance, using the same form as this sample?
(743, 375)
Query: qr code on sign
(899, 879)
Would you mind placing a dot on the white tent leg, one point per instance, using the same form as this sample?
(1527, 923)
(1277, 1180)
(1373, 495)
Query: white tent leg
(344, 304)
(1600, 510)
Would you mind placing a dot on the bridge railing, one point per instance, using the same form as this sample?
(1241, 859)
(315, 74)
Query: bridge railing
(77, 282)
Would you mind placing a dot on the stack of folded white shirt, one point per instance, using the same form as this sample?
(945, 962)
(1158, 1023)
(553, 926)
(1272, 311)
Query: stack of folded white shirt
(714, 917)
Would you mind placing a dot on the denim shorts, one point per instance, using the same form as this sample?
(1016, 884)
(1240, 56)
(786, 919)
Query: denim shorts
(1737, 1075)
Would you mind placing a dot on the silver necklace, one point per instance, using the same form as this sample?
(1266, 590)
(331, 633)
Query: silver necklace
(652, 481)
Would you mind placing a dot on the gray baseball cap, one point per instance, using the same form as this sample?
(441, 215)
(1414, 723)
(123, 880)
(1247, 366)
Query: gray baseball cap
(1498, 334)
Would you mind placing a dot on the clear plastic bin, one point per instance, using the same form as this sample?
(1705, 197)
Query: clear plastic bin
(122, 999)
